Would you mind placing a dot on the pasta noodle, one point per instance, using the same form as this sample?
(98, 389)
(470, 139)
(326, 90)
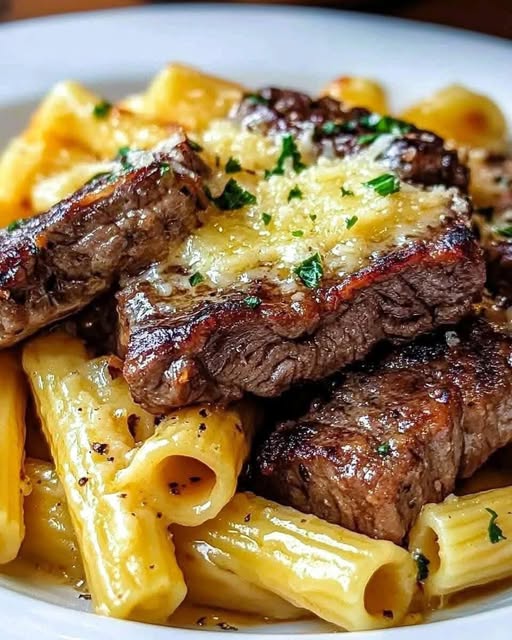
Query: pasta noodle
(12, 440)
(128, 556)
(465, 544)
(355, 91)
(341, 576)
(189, 468)
(50, 540)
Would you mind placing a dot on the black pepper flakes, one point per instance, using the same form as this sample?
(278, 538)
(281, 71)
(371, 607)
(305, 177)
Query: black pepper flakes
(202, 427)
(110, 459)
(226, 627)
(203, 413)
(84, 596)
(159, 514)
(83, 481)
(194, 479)
(201, 621)
(388, 614)
(100, 447)
(247, 518)
(174, 488)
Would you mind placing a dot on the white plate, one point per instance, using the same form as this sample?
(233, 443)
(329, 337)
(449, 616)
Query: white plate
(118, 51)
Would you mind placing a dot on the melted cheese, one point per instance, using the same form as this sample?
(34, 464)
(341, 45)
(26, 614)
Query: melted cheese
(237, 245)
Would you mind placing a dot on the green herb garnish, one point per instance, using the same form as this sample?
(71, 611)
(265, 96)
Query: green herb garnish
(252, 301)
(195, 146)
(102, 109)
(101, 174)
(15, 224)
(422, 563)
(266, 217)
(346, 192)
(350, 222)
(384, 449)
(289, 150)
(367, 138)
(122, 156)
(494, 531)
(255, 98)
(505, 231)
(384, 185)
(313, 217)
(165, 167)
(233, 166)
(298, 233)
(295, 193)
(196, 278)
(310, 271)
(384, 124)
(233, 197)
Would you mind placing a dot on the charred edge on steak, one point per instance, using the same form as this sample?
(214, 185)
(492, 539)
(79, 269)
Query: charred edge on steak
(55, 263)
(395, 437)
(418, 156)
(218, 348)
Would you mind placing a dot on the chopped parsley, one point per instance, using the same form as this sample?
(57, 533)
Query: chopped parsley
(252, 301)
(195, 146)
(196, 278)
(384, 449)
(494, 531)
(255, 98)
(122, 156)
(350, 222)
(346, 192)
(298, 233)
(102, 109)
(15, 224)
(384, 124)
(505, 231)
(233, 197)
(165, 167)
(422, 563)
(385, 184)
(295, 193)
(289, 150)
(310, 271)
(266, 217)
(313, 216)
(233, 166)
(367, 138)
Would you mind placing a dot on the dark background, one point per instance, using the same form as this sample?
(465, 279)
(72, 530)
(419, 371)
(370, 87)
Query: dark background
(488, 16)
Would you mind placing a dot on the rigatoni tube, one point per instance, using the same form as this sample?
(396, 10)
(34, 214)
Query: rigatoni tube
(188, 470)
(467, 540)
(343, 577)
(12, 440)
(128, 556)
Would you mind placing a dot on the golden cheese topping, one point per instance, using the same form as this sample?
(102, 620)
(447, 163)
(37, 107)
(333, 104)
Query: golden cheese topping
(327, 208)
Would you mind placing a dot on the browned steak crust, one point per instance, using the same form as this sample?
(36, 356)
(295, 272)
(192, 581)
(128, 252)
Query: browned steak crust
(57, 262)
(217, 347)
(392, 438)
(417, 156)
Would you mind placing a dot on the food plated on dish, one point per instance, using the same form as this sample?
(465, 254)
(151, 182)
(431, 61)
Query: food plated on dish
(262, 338)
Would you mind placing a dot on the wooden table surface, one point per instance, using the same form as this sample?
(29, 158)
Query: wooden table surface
(488, 16)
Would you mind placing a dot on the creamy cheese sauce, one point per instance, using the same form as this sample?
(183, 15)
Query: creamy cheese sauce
(273, 236)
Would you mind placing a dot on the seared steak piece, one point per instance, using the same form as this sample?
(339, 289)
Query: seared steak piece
(396, 436)
(417, 156)
(57, 262)
(492, 187)
(217, 345)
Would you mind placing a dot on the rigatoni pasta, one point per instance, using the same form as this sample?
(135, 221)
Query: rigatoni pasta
(12, 441)
(341, 576)
(128, 555)
(188, 470)
(50, 541)
(466, 540)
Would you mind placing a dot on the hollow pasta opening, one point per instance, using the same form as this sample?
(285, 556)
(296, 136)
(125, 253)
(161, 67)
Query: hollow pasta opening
(386, 595)
(183, 476)
(430, 549)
